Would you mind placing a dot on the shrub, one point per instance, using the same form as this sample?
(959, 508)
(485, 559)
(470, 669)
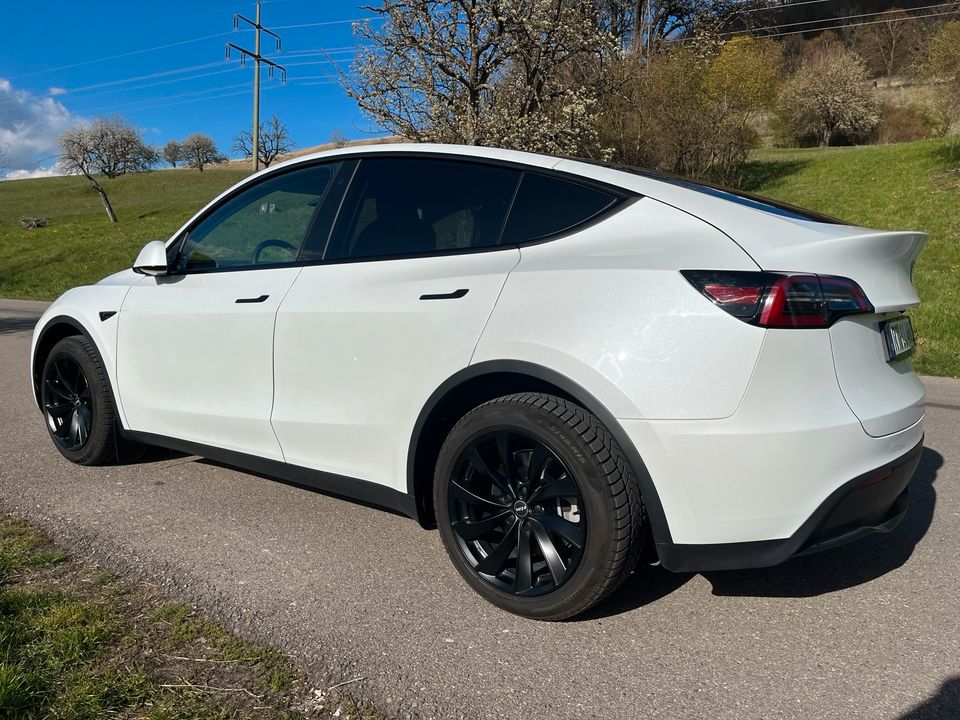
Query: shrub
(903, 123)
(691, 111)
(828, 100)
(943, 67)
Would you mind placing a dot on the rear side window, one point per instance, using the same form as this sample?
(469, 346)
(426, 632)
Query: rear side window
(547, 205)
(414, 206)
(774, 207)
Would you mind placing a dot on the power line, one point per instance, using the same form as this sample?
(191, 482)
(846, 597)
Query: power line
(846, 17)
(83, 92)
(320, 80)
(149, 76)
(170, 45)
(861, 24)
(734, 33)
(310, 51)
(148, 103)
(328, 22)
(196, 99)
(72, 91)
(72, 94)
(138, 104)
(118, 56)
(84, 88)
(90, 96)
(782, 6)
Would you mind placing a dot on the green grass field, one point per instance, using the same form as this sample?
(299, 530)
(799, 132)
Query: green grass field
(81, 643)
(79, 246)
(913, 186)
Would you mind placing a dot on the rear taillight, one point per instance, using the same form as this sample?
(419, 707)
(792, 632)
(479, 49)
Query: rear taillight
(781, 300)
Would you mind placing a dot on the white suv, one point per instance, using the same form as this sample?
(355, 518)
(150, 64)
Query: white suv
(564, 366)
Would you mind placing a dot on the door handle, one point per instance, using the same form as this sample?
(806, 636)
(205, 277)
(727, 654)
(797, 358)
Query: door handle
(253, 300)
(455, 295)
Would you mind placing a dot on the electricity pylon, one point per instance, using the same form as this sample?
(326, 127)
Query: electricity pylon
(257, 59)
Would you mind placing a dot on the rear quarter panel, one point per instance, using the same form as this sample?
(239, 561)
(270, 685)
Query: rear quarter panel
(607, 307)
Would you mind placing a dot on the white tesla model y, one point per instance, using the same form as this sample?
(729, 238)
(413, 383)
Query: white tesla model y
(563, 366)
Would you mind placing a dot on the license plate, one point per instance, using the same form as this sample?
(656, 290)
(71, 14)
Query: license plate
(898, 338)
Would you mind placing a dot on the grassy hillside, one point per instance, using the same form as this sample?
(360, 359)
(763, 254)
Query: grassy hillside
(909, 186)
(912, 186)
(79, 246)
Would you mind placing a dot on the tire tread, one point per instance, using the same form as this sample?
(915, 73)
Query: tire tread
(102, 446)
(624, 500)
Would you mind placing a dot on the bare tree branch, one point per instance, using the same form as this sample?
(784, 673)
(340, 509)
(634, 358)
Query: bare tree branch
(274, 141)
(109, 147)
(513, 73)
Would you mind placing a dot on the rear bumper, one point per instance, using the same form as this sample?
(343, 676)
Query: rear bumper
(875, 501)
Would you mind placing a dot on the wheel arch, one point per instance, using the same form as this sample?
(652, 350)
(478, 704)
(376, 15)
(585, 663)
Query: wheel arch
(54, 330)
(485, 381)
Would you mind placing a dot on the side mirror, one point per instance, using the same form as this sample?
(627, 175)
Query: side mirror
(152, 260)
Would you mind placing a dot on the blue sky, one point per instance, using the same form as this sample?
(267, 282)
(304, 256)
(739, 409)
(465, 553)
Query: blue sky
(54, 72)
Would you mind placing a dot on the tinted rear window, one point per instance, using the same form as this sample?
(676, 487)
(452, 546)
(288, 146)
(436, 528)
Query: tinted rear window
(415, 206)
(752, 201)
(547, 205)
(756, 202)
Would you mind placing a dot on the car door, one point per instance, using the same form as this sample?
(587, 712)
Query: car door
(411, 273)
(195, 347)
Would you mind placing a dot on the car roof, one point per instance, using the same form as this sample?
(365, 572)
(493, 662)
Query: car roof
(660, 186)
(473, 151)
(725, 210)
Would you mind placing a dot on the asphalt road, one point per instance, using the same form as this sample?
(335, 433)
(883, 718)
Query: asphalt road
(871, 630)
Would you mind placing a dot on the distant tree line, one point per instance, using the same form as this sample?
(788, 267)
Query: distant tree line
(685, 86)
(110, 147)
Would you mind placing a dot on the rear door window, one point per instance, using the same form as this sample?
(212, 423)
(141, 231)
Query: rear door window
(415, 206)
(548, 205)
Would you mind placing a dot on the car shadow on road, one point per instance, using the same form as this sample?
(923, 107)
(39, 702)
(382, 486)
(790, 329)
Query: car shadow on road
(644, 587)
(302, 486)
(816, 574)
(849, 565)
(945, 705)
(147, 455)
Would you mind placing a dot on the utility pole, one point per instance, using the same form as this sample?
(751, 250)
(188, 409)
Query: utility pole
(257, 59)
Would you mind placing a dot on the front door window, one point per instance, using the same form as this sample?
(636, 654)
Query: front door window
(263, 225)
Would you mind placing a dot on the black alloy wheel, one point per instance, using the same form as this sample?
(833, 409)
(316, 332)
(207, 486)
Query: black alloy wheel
(515, 509)
(77, 404)
(67, 402)
(537, 506)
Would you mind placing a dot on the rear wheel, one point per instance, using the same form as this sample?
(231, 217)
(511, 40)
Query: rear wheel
(77, 403)
(537, 506)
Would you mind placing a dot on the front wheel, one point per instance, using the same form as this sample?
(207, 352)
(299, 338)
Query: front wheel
(77, 403)
(537, 506)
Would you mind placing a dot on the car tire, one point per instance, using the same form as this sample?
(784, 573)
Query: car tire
(77, 404)
(544, 475)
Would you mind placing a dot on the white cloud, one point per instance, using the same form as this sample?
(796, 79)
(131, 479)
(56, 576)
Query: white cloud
(29, 129)
(51, 171)
(54, 91)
